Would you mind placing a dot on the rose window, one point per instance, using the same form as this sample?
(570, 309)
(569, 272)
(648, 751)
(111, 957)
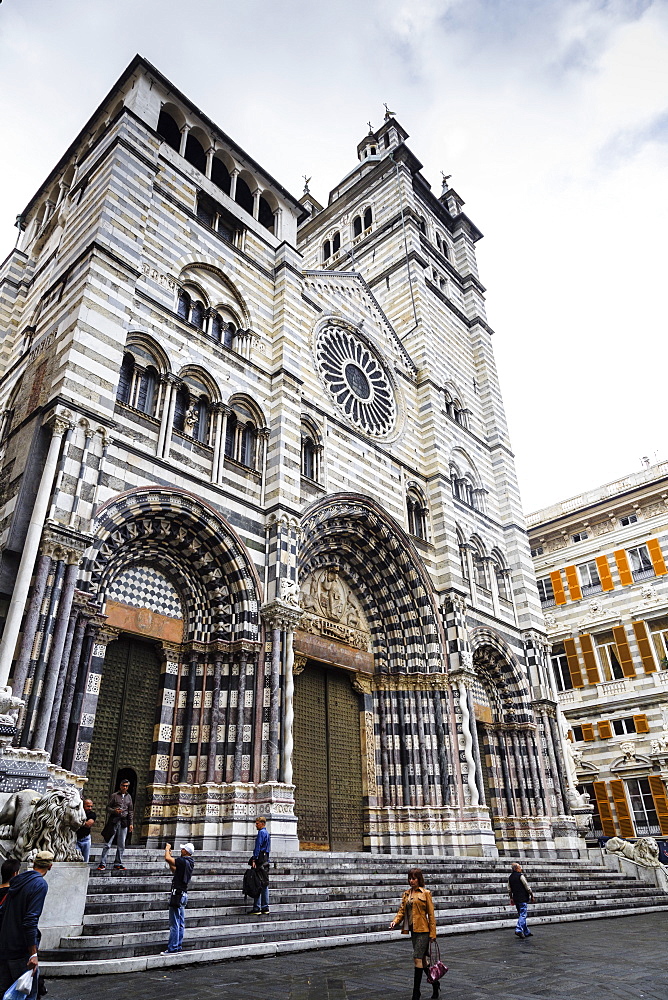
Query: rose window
(356, 379)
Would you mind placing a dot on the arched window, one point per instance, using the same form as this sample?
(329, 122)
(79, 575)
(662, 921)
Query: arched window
(326, 250)
(241, 436)
(220, 175)
(183, 305)
(243, 195)
(125, 379)
(422, 224)
(195, 153)
(368, 218)
(169, 130)
(310, 453)
(181, 405)
(197, 313)
(138, 379)
(502, 582)
(265, 214)
(222, 330)
(480, 569)
(336, 242)
(463, 558)
(417, 514)
(146, 390)
(357, 226)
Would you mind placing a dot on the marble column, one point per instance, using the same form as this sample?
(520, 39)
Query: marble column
(30, 625)
(188, 717)
(40, 666)
(241, 705)
(53, 667)
(59, 425)
(214, 720)
(60, 736)
(90, 679)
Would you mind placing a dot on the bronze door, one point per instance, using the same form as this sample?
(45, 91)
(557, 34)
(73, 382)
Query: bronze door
(124, 722)
(327, 761)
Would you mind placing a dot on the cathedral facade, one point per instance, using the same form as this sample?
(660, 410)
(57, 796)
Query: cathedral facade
(263, 548)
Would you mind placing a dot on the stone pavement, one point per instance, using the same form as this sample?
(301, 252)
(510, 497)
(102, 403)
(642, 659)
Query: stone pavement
(621, 959)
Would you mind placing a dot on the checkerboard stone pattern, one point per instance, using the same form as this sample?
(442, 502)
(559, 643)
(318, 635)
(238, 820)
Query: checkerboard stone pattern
(143, 587)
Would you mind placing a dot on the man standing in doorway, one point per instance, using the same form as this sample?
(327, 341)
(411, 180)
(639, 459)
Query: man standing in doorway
(261, 853)
(120, 814)
(19, 934)
(521, 894)
(183, 871)
(83, 833)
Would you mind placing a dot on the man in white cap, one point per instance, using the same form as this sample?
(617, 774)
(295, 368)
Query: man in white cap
(183, 872)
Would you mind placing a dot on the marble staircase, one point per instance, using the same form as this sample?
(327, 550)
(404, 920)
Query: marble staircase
(319, 900)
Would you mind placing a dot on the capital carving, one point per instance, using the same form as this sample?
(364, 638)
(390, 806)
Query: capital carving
(299, 663)
(280, 614)
(59, 423)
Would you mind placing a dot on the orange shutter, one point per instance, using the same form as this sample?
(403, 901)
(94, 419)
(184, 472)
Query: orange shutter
(604, 729)
(604, 573)
(625, 574)
(591, 666)
(604, 810)
(573, 663)
(641, 723)
(558, 587)
(658, 790)
(588, 732)
(656, 555)
(623, 650)
(644, 646)
(626, 827)
(573, 583)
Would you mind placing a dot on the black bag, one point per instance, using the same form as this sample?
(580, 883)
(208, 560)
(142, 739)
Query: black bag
(175, 898)
(252, 885)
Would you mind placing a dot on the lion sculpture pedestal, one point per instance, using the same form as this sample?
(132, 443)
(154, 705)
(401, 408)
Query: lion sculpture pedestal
(640, 859)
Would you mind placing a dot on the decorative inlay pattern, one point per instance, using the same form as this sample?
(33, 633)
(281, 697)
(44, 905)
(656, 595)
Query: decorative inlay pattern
(357, 380)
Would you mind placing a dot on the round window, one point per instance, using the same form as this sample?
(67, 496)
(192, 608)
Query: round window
(356, 379)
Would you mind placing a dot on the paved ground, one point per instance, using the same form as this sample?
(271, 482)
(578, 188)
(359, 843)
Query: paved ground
(590, 960)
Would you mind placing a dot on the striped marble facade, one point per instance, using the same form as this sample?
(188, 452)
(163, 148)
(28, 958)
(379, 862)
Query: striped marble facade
(211, 390)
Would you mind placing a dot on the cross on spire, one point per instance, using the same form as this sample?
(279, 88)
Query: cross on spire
(388, 114)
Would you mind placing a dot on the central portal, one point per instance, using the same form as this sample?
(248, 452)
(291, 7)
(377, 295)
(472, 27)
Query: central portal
(327, 761)
(123, 734)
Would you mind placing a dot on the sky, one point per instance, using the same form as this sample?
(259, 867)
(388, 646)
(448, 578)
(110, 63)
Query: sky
(551, 116)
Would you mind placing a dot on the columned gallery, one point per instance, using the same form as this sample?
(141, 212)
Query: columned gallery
(262, 544)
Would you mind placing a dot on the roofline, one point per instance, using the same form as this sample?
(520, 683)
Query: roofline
(134, 64)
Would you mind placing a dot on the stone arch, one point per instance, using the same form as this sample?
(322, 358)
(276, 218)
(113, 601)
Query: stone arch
(210, 268)
(188, 541)
(377, 558)
(497, 665)
(143, 340)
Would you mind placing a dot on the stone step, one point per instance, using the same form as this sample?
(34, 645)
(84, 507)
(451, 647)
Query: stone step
(202, 915)
(139, 963)
(280, 893)
(131, 944)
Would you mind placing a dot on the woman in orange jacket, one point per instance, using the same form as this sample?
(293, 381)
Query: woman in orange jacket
(416, 913)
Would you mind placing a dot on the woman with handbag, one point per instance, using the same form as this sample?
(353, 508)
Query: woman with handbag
(416, 914)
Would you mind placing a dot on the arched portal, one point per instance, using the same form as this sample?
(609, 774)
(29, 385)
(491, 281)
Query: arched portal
(513, 766)
(174, 674)
(369, 735)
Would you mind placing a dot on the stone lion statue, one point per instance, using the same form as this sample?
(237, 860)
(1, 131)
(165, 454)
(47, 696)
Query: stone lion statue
(47, 823)
(644, 852)
(16, 810)
(9, 707)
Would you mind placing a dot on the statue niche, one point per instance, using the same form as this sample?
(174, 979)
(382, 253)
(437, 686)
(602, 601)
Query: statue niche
(331, 609)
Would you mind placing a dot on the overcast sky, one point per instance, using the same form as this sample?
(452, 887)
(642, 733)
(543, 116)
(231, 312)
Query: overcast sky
(551, 116)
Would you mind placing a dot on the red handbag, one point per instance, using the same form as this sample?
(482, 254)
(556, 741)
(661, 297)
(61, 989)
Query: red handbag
(435, 969)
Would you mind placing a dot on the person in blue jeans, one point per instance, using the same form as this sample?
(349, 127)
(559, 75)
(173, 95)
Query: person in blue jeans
(521, 894)
(261, 853)
(183, 871)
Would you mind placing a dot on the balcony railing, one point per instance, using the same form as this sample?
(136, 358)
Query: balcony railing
(643, 574)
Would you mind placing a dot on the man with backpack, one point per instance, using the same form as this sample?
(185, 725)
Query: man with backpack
(183, 872)
(19, 916)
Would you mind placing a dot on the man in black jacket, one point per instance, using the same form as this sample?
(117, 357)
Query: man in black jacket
(120, 815)
(521, 894)
(19, 916)
(183, 871)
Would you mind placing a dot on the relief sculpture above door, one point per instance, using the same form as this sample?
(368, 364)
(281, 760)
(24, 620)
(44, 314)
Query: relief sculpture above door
(331, 609)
